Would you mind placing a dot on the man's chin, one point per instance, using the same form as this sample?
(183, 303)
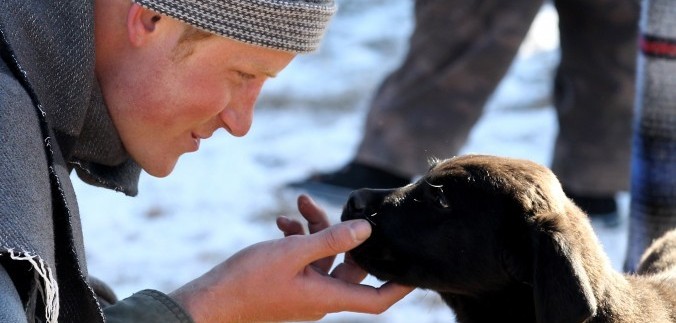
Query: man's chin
(158, 169)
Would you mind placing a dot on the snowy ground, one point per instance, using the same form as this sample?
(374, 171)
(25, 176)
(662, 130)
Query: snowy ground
(309, 119)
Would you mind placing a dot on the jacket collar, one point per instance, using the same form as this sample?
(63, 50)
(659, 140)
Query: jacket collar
(52, 43)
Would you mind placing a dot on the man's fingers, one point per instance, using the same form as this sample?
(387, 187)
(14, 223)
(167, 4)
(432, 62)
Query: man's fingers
(336, 239)
(317, 221)
(292, 227)
(366, 299)
(349, 272)
(315, 216)
(289, 226)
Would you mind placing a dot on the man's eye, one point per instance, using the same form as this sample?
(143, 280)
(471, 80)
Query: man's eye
(246, 76)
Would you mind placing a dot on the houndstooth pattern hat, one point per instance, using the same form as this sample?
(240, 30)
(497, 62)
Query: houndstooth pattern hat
(289, 25)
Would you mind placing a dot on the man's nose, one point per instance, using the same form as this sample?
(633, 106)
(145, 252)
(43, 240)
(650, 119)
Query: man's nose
(238, 115)
(237, 120)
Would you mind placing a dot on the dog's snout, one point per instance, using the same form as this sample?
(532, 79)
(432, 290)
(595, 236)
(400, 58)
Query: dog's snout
(355, 206)
(363, 203)
(357, 201)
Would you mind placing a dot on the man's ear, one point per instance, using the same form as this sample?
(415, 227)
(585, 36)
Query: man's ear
(141, 23)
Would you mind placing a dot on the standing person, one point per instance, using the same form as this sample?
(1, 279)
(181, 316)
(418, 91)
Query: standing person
(457, 55)
(653, 173)
(112, 87)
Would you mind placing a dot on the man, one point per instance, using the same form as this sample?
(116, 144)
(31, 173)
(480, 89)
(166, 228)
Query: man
(112, 87)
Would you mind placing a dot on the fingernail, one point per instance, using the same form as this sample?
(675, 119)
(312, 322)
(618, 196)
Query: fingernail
(361, 229)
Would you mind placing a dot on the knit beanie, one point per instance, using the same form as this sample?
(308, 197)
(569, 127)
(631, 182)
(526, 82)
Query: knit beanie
(288, 25)
(653, 174)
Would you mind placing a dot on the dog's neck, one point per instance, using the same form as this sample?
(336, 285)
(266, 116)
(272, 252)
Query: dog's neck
(511, 304)
(515, 301)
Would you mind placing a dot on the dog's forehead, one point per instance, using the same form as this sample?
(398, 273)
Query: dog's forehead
(459, 170)
(485, 163)
(463, 164)
(523, 179)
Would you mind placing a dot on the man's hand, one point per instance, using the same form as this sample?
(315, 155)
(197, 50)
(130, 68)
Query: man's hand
(287, 279)
(317, 221)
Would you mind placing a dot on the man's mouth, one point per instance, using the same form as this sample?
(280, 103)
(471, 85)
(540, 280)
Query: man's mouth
(196, 141)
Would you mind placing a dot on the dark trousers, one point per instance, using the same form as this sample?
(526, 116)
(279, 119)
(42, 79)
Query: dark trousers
(458, 53)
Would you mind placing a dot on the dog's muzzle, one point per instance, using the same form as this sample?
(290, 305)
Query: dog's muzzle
(375, 255)
(364, 204)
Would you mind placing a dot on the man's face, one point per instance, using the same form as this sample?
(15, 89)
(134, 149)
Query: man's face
(164, 105)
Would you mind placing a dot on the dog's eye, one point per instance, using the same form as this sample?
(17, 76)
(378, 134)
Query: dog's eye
(440, 199)
(438, 195)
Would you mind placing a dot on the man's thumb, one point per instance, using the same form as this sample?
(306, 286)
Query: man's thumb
(361, 230)
(340, 238)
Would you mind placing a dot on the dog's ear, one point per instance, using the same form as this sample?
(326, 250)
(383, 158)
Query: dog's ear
(561, 287)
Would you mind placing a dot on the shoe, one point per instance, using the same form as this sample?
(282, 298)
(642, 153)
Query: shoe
(357, 175)
(336, 186)
(603, 207)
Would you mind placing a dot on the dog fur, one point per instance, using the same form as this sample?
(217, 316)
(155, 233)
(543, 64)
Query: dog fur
(500, 242)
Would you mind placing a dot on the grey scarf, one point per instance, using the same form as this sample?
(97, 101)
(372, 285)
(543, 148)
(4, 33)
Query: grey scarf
(47, 46)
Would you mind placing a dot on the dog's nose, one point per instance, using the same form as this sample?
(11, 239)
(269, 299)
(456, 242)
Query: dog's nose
(356, 203)
(363, 203)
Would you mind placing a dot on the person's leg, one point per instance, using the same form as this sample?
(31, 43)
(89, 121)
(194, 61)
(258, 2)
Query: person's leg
(458, 53)
(653, 171)
(594, 95)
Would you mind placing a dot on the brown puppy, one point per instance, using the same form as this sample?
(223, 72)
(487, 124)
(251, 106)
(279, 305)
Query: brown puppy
(500, 242)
